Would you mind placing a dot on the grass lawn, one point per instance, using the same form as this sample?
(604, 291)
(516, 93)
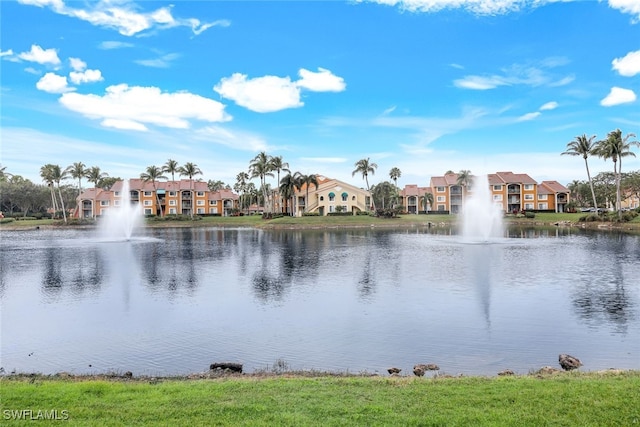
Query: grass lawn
(566, 399)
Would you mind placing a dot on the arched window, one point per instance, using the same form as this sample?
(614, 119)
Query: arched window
(344, 197)
(332, 197)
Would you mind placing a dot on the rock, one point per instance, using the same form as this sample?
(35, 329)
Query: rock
(394, 370)
(568, 362)
(547, 370)
(506, 372)
(233, 367)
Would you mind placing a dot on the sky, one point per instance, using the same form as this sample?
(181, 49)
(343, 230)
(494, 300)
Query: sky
(426, 86)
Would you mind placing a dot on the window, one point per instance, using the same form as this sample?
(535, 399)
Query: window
(528, 187)
(497, 197)
(147, 202)
(213, 210)
(353, 197)
(214, 202)
(497, 188)
(528, 206)
(172, 211)
(172, 194)
(147, 211)
(344, 197)
(344, 208)
(104, 203)
(117, 194)
(199, 193)
(172, 202)
(441, 207)
(528, 196)
(440, 199)
(200, 210)
(322, 198)
(200, 202)
(332, 197)
(332, 208)
(543, 206)
(147, 194)
(440, 189)
(542, 197)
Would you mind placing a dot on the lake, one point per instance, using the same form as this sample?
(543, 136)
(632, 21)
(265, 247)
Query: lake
(173, 301)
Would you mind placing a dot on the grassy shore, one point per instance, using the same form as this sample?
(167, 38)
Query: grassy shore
(404, 221)
(609, 398)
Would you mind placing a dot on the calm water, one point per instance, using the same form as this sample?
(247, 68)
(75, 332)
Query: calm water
(172, 301)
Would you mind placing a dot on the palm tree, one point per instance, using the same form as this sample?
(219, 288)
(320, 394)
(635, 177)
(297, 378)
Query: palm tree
(426, 200)
(171, 167)
(305, 180)
(153, 174)
(365, 167)
(190, 170)
(260, 167)
(77, 171)
(241, 186)
(394, 174)
(583, 146)
(60, 175)
(615, 147)
(286, 189)
(278, 165)
(46, 173)
(95, 176)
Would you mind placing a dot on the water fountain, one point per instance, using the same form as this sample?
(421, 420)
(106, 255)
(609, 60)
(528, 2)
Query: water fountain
(481, 217)
(119, 222)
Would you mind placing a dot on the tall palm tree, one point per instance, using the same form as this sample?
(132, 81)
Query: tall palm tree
(394, 174)
(286, 190)
(615, 147)
(46, 173)
(171, 167)
(464, 180)
(190, 170)
(77, 171)
(153, 174)
(583, 146)
(261, 167)
(307, 181)
(95, 176)
(58, 176)
(426, 200)
(241, 186)
(365, 167)
(278, 165)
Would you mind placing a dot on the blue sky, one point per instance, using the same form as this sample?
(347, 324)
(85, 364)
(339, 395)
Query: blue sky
(423, 85)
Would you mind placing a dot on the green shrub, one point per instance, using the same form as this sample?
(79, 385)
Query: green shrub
(528, 214)
(311, 214)
(6, 220)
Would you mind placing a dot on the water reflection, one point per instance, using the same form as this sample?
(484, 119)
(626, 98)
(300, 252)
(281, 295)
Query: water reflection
(339, 299)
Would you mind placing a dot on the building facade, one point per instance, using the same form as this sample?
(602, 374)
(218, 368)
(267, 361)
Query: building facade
(331, 195)
(182, 197)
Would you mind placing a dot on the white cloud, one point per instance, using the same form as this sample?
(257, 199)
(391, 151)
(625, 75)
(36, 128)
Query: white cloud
(86, 76)
(528, 116)
(262, 94)
(332, 160)
(518, 74)
(244, 141)
(123, 16)
(40, 55)
(134, 107)
(107, 45)
(162, 62)
(77, 64)
(627, 6)
(629, 65)
(6, 53)
(549, 106)
(53, 83)
(322, 81)
(480, 7)
(617, 96)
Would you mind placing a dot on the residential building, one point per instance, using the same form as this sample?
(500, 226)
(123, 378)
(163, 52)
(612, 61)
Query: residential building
(167, 198)
(331, 195)
(513, 192)
(412, 198)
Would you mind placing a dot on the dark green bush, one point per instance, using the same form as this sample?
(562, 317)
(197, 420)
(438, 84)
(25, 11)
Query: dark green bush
(528, 214)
